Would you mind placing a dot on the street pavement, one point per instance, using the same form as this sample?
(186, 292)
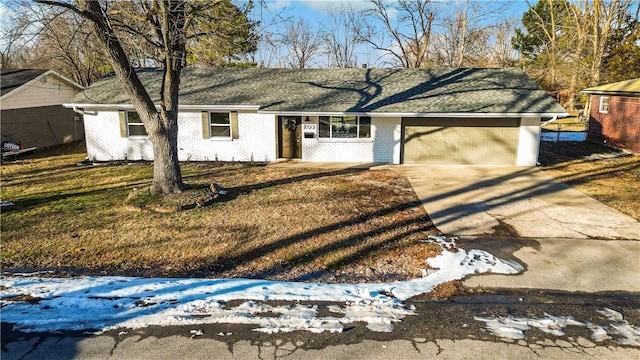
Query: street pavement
(442, 329)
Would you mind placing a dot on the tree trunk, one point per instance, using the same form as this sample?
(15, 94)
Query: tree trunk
(578, 12)
(167, 177)
(463, 26)
(162, 128)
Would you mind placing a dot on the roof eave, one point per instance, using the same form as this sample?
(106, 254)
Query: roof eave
(322, 113)
(417, 114)
(180, 107)
(37, 78)
(611, 92)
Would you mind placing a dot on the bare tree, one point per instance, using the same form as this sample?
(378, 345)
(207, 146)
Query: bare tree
(577, 31)
(503, 54)
(17, 36)
(268, 51)
(168, 24)
(542, 45)
(604, 17)
(302, 43)
(341, 36)
(470, 29)
(406, 31)
(64, 43)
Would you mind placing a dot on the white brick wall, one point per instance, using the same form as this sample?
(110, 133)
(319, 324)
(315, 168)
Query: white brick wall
(39, 93)
(383, 146)
(257, 141)
(102, 134)
(256, 138)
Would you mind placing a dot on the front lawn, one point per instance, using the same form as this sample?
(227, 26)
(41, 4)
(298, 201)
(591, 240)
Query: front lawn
(608, 175)
(274, 223)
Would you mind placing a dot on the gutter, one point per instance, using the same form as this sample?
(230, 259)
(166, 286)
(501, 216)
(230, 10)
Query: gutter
(109, 107)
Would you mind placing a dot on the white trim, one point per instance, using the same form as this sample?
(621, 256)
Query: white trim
(218, 108)
(344, 140)
(71, 82)
(422, 115)
(212, 125)
(315, 113)
(601, 102)
(126, 116)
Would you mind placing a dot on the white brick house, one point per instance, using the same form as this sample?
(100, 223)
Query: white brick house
(465, 116)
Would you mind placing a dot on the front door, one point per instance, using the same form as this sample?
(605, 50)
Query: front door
(289, 137)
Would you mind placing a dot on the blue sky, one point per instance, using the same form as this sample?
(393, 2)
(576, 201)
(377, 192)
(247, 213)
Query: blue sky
(316, 13)
(318, 9)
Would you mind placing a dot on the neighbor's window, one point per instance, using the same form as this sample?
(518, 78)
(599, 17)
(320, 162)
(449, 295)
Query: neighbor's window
(220, 125)
(134, 124)
(604, 104)
(345, 127)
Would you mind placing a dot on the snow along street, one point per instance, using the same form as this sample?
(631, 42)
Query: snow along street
(99, 304)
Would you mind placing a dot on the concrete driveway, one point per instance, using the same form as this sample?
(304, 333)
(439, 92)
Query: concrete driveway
(513, 202)
(564, 238)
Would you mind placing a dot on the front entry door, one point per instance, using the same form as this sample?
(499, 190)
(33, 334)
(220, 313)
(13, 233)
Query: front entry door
(289, 137)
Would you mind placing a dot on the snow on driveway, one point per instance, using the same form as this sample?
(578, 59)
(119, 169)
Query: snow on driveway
(103, 303)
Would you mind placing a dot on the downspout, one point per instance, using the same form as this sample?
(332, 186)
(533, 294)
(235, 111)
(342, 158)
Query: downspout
(554, 118)
(82, 112)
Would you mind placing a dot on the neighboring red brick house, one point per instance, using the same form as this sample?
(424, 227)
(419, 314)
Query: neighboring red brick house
(614, 114)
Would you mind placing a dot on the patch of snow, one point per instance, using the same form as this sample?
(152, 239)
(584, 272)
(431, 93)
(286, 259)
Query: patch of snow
(627, 333)
(619, 329)
(6, 203)
(103, 303)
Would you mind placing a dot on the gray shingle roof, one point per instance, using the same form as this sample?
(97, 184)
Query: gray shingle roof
(346, 90)
(13, 79)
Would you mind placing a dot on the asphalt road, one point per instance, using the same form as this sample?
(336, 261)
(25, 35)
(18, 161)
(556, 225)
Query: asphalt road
(443, 329)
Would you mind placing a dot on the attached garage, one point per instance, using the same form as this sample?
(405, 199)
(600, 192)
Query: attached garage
(486, 141)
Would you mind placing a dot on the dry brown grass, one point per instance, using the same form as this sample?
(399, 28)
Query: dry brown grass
(274, 223)
(608, 175)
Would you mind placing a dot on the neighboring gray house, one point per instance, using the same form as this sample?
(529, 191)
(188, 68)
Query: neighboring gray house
(31, 110)
(453, 116)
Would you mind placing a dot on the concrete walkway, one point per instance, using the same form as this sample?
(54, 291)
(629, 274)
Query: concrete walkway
(512, 201)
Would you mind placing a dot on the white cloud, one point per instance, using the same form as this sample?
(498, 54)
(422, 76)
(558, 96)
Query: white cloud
(325, 6)
(276, 4)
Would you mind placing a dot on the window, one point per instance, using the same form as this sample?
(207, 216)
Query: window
(345, 127)
(134, 125)
(604, 104)
(220, 125)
